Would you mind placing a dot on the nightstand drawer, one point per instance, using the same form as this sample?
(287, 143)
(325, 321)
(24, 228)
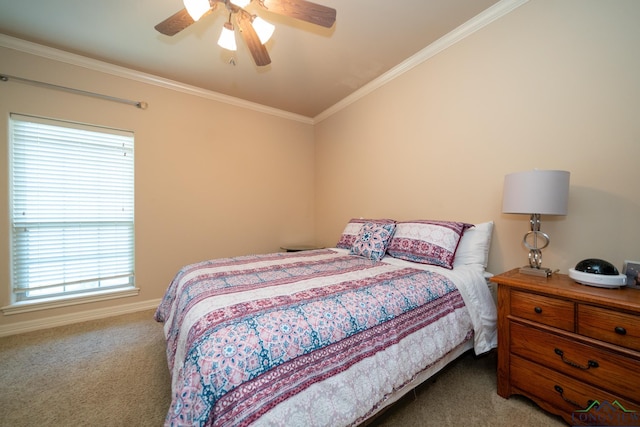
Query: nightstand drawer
(546, 310)
(560, 391)
(611, 326)
(584, 362)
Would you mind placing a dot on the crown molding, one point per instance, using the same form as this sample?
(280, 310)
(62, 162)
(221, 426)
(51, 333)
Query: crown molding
(496, 11)
(115, 70)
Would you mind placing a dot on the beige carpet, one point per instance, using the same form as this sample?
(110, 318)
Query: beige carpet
(113, 372)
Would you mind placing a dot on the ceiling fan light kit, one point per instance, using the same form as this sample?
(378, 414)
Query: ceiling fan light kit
(254, 30)
(263, 28)
(197, 8)
(227, 38)
(241, 3)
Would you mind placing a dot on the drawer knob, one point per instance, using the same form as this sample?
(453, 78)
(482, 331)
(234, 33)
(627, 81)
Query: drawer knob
(620, 330)
(537, 310)
(590, 363)
(574, 403)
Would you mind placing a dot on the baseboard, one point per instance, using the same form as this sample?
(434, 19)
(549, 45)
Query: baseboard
(83, 316)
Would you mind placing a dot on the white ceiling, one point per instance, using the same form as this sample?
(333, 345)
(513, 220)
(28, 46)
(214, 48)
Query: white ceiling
(312, 67)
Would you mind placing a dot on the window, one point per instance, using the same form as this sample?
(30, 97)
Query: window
(72, 209)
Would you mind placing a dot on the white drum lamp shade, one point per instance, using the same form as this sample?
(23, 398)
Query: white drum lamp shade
(544, 192)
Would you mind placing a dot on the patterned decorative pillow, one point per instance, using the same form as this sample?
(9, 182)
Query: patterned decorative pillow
(353, 228)
(372, 240)
(427, 242)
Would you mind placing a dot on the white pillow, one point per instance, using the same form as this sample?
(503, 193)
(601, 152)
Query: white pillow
(474, 245)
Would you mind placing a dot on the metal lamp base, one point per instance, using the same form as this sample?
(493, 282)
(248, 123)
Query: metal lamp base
(535, 267)
(533, 271)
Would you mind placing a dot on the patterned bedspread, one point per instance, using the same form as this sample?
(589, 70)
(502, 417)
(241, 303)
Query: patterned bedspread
(306, 338)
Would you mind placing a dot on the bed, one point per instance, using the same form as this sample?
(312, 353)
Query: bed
(326, 337)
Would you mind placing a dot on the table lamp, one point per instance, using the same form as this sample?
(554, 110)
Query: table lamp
(536, 193)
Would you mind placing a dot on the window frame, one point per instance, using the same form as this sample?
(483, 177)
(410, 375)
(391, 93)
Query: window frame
(124, 223)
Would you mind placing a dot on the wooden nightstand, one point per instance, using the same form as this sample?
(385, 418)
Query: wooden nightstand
(566, 345)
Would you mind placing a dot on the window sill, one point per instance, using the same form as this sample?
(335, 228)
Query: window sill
(25, 307)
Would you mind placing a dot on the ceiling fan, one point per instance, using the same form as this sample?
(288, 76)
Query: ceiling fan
(254, 30)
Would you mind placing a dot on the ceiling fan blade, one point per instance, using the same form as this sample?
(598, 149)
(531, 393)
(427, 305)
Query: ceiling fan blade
(303, 10)
(179, 21)
(175, 23)
(257, 49)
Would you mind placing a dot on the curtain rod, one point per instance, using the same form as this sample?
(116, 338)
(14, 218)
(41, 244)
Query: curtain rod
(138, 104)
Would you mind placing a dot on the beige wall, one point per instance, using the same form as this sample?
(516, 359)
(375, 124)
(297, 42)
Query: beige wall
(212, 179)
(552, 85)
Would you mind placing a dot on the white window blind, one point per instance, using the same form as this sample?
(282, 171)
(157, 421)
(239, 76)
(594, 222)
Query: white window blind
(72, 208)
